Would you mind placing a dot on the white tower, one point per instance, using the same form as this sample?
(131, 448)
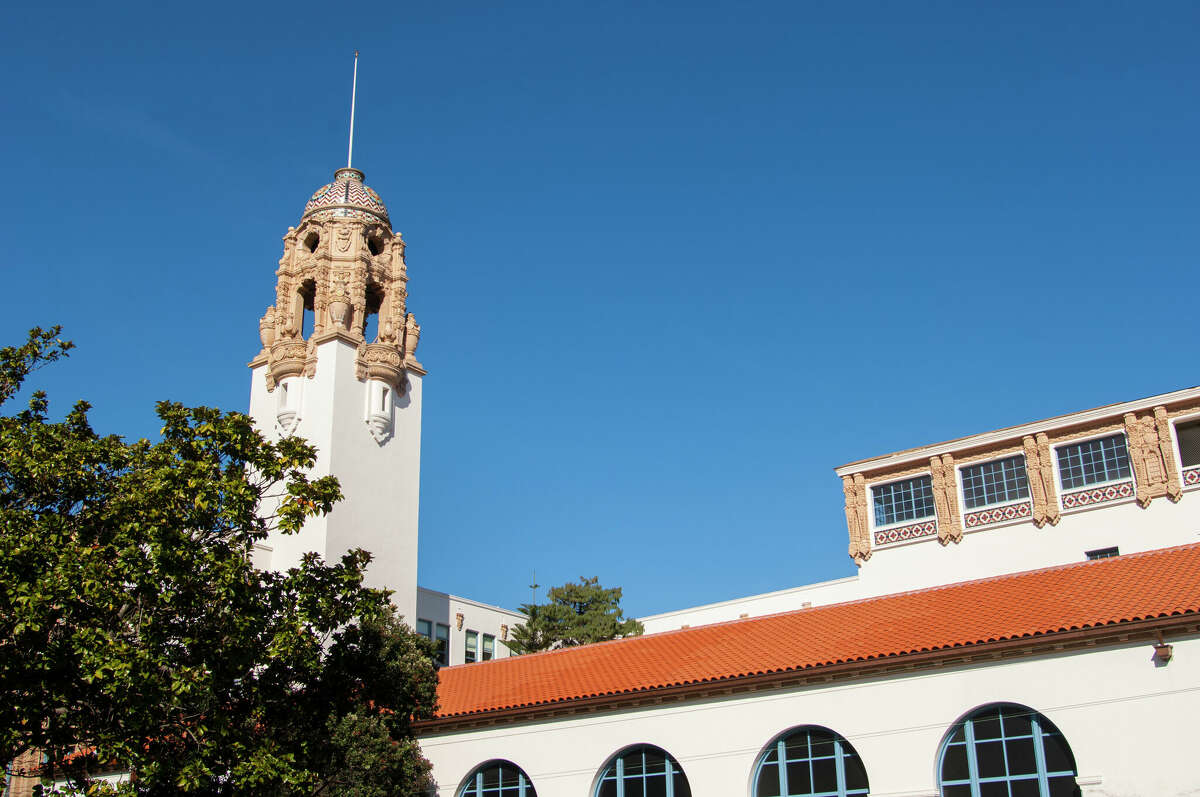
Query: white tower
(338, 367)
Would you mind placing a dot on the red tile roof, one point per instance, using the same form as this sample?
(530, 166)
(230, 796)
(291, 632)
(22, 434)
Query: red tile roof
(1140, 586)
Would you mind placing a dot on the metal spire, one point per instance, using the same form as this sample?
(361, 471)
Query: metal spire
(353, 93)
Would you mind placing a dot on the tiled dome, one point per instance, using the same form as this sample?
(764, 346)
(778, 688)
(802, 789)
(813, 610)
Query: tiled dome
(347, 197)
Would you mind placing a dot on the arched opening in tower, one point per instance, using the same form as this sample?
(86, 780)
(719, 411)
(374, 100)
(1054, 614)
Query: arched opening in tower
(305, 295)
(370, 324)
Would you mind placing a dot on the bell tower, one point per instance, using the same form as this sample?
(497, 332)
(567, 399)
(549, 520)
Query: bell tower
(338, 367)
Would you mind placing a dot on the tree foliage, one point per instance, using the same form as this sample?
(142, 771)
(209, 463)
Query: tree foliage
(576, 614)
(136, 632)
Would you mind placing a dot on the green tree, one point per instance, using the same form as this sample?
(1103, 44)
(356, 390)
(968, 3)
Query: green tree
(136, 633)
(576, 614)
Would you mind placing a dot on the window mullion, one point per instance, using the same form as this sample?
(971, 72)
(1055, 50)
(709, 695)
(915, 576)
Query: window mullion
(972, 765)
(781, 752)
(1039, 755)
(621, 776)
(840, 766)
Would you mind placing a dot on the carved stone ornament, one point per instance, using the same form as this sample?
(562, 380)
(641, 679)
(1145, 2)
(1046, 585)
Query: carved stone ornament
(266, 328)
(854, 488)
(949, 522)
(341, 264)
(503, 632)
(458, 620)
(1151, 456)
(382, 361)
(1046, 474)
(1174, 482)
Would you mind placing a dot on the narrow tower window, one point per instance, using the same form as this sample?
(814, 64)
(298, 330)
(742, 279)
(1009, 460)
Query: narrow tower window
(304, 300)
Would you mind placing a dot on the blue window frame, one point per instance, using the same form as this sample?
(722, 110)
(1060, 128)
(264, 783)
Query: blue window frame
(897, 502)
(1093, 462)
(810, 761)
(996, 482)
(1006, 750)
(498, 779)
(643, 771)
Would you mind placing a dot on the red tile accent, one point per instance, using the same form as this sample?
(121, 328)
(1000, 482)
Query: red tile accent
(1087, 594)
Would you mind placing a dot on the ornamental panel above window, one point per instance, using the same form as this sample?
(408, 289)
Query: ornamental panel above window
(902, 501)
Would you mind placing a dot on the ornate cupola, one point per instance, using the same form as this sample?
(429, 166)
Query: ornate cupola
(342, 277)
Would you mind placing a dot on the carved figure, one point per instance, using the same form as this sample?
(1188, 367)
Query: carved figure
(1033, 472)
(1150, 457)
(1046, 472)
(343, 239)
(856, 517)
(951, 521)
(1174, 485)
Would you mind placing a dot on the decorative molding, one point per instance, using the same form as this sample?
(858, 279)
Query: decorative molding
(913, 531)
(1149, 456)
(945, 499)
(1098, 495)
(1046, 473)
(458, 621)
(855, 490)
(1166, 447)
(1000, 514)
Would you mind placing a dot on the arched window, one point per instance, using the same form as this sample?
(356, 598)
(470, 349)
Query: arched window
(643, 771)
(810, 761)
(1005, 749)
(498, 779)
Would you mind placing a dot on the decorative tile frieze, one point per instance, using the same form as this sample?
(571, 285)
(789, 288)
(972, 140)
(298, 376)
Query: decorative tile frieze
(1097, 495)
(913, 531)
(1191, 477)
(1000, 514)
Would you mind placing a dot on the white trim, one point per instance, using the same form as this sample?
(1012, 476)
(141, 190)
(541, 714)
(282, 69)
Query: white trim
(1015, 433)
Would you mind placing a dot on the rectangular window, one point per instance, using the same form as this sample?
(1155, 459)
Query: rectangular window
(443, 643)
(911, 499)
(1104, 553)
(995, 482)
(1093, 462)
(489, 647)
(1189, 443)
(425, 628)
(471, 647)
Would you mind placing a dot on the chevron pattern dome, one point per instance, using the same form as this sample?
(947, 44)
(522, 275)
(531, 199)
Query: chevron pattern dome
(347, 197)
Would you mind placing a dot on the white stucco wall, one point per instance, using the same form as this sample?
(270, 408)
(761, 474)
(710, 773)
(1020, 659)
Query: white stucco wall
(440, 607)
(380, 482)
(1130, 724)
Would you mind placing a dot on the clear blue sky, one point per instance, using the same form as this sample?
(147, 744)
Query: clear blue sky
(673, 262)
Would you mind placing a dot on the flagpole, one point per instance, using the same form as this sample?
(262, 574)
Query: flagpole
(353, 94)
